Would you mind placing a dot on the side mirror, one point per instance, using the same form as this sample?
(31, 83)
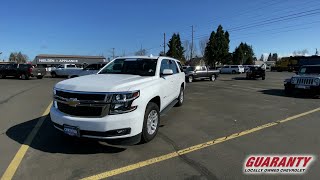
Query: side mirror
(166, 72)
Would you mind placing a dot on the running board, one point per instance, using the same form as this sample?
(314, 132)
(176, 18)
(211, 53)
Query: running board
(167, 109)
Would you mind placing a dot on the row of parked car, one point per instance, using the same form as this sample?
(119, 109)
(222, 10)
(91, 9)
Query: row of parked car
(23, 71)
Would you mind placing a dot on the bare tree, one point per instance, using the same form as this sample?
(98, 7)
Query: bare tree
(300, 53)
(141, 52)
(187, 49)
(202, 45)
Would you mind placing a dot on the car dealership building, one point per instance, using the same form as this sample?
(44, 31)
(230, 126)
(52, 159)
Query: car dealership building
(53, 60)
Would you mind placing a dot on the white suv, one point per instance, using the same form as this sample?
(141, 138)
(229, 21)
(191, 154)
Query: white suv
(232, 69)
(122, 102)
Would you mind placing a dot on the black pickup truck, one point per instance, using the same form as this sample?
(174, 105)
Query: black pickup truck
(200, 72)
(23, 71)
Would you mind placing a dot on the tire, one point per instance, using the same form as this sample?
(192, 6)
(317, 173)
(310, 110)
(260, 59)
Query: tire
(190, 79)
(263, 77)
(150, 125)
(24, 77)
(233, 72)
(73, 76)
(180, 98)
(213, 77)
(39, 77)
(53, 75)
(288, 91)
(2, 76)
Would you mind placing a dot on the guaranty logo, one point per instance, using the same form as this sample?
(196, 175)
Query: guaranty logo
(287, 164)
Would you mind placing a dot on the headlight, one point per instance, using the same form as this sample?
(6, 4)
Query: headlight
(122, 102)
(294, 81)
(55, 102)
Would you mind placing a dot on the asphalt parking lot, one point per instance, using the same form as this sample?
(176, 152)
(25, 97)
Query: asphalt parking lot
(211, 110)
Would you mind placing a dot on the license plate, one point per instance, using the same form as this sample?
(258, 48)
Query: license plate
(303, 87)
(39, 74)
(71, 130)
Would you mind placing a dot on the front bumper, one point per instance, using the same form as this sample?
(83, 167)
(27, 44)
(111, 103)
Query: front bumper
(101, 127)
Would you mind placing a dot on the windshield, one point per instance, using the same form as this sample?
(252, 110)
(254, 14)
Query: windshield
(190, 69)
(310, 70)
(141, 67)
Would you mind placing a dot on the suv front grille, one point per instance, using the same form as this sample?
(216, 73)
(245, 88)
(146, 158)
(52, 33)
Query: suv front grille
(305, 81)
(82, 104)
(80, 96)
(80, 110)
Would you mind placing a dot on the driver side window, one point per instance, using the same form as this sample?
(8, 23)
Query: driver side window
(164, 65)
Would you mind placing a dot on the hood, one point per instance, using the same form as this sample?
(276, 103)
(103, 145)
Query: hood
(103, 83)
(307, 76)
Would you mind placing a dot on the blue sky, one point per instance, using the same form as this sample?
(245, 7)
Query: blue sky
(94, 27)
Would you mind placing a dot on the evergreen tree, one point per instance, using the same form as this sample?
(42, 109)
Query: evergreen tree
(269, 57)
(217, 49)
(12, 57)
(175, 47)
(262, 57)
(274, 57)
(243, 54)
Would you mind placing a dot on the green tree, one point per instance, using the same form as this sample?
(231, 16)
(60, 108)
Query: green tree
(243, 54)
(175, 47)
(262, 57)
(20, 58)
(274, 57)
(269, 57)
(12, 57)
(217, 49)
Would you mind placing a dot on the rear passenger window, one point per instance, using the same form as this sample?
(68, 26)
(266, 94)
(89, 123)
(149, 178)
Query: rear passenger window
(234, 66)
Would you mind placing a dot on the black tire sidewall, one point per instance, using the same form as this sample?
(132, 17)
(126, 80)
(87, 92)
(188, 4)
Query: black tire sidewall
(146, 137)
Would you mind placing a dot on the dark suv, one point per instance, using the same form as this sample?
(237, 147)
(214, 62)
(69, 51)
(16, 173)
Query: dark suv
(16, 70)
(256, 72)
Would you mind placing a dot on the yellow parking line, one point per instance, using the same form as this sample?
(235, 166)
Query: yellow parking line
(12, 168)
(192, 148)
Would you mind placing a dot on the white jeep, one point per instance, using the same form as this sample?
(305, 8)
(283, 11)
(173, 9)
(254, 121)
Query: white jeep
(122, 103)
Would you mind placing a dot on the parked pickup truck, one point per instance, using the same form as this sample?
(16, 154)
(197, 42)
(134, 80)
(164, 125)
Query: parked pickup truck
(122, 103)
(200, 72)
(65, 70)
(90, 69)
(307, 79)
(23, 71)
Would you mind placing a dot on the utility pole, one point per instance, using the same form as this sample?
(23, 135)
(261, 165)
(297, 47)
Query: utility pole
(191, 42)
(164, 43)
(113, 53)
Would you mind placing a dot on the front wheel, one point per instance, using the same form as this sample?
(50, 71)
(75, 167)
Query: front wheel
(288, 91)
(263, 77)
(151, 122)
(2, 76)
(180, 97)
(213, 77)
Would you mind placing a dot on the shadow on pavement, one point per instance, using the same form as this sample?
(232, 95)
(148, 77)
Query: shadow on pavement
(50, 140)
(280, 92)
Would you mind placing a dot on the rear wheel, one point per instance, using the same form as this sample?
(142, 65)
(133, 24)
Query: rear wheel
(213, 77)
(151, 122)
(233, 72)
(2, 76)
(263, 77)
(39, 77)
(24, 77)
(53, 75)
(190, 79)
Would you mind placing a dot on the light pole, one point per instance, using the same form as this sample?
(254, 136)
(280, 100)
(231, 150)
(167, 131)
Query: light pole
(0, 54)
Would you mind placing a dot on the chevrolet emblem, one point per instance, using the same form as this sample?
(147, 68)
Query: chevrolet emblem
(73, 102)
